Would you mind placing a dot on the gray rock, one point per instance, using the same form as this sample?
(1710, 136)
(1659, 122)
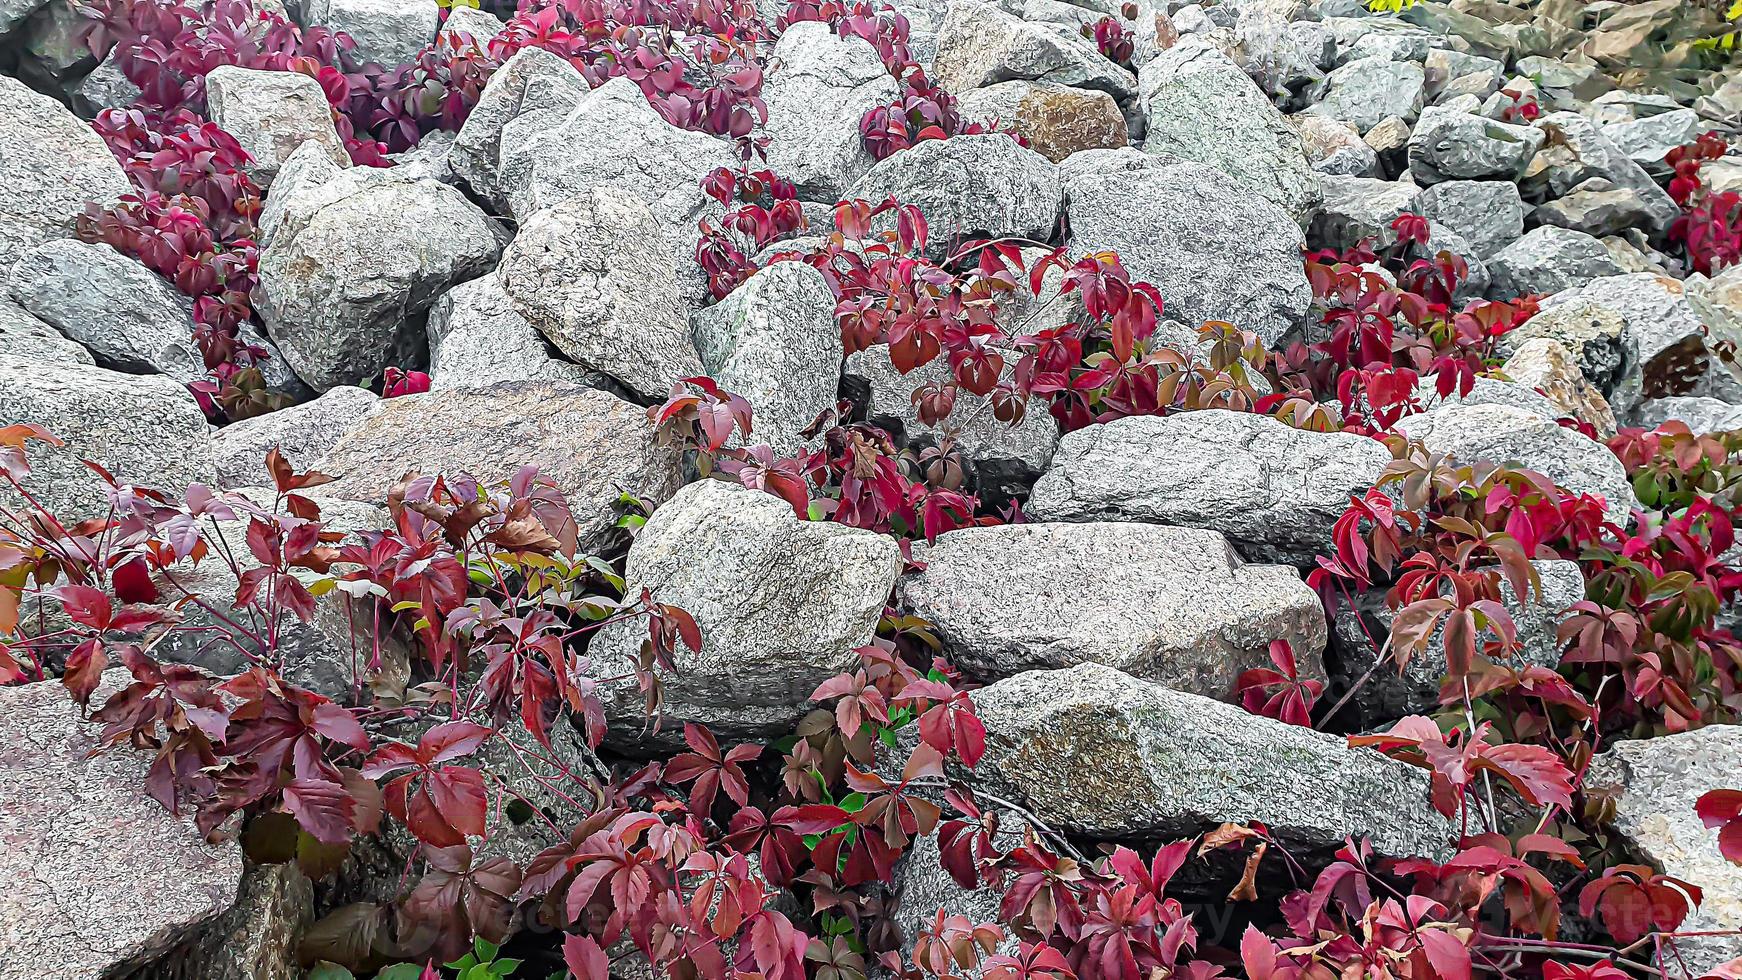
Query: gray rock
(1391, 47)
(782, 603)
(1481, 85)
(1368, 91)
(775, 342)
(106, 87)
(1503, 433)
(100, 877)
(980, 45)
(1360, 207)
(52, 52)
(1390, 693)
(1487, 391)
(614, 139)
(922, 886)
(302, 433)
(592, 445)
(1277, 54)
(1200, 106)
(475, 153)
(431, 158)
(1214, 250)
(1549, 260)
(24, 336)
(388, 32)
(1647, 141)
(15, 12)
(1333, 147)
(817, 86)
(305, 169)
(477, 338)
(1173, 605)
(1448, 144)
(1655, 783)
(1444, 65)
(1056, 120)
(1002, 458)
(1274, 490)
(1091, 750)
(1594, 334)
(127, 315)
(258, 938)
(1112, 161)
(147, 431)
(353, 261)
(1487, 213)
(271, 113)
(1597, 208)
(1664, 341)
(970, 186)
(1579, 152)
(479, 25)
(593, 276)
(1698, 413)
(51, 164)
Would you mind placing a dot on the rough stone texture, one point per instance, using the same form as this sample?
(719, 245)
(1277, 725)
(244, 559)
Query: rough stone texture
(1488, 391)
(1274, 490)
(1200, 106)
(1170, 604)
(51, 163)
(1594, 333)
(145, 430)
(1579, 152)
(612, 137)
(1699, 413)
(1549, 260)
(1092, 750)
(24, 336)
(817, 86)
(1596, 207)
(781, 603)
(474, 156)
(1214, 250)
(592, 445)
(592, 275)
(1368, 91)
(1056, 120)
(1448, 144)
(1648, 140)
(15, 12)
(106, 87)
(302, 433)
(775, 342)
(1003, 459)
(970, 186)
(922, 886)
(255, 940)
(1548, 366)
(305, 169)
(271, 113)
(352, 262)
(1334, 147)
(477, 338)
(479, 25)
(387, 32)
(1390, 694)
(1663, 342)
(1488, 213)
(126, 315)
(1502, 433)
(99, 876)
(980, 45)
(1360, 207)
(1655, 783)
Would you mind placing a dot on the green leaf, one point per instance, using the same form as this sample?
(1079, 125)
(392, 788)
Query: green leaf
(485, 950)
(330, 971)
(399, 971)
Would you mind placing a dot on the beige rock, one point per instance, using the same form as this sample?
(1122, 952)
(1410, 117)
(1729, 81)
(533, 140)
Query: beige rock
(1547, 365)
(591, 444)
(1056, 120)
